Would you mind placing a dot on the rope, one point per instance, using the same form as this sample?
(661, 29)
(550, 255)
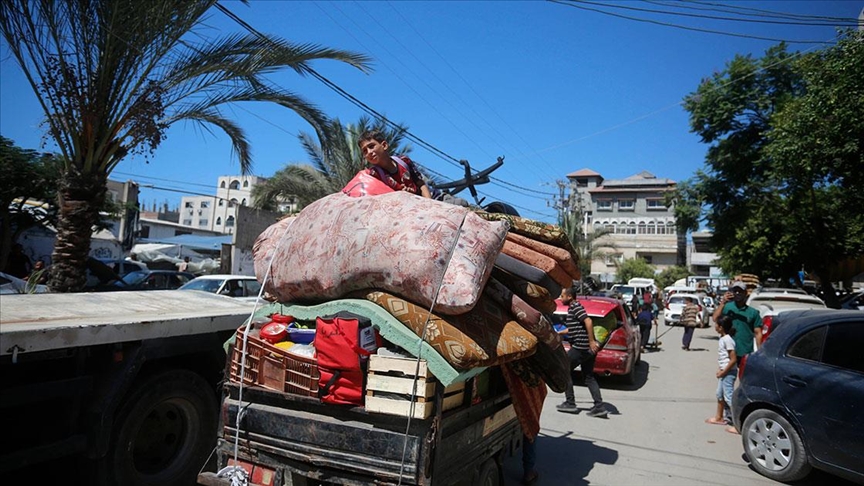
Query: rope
(420, 341)
(237, 474)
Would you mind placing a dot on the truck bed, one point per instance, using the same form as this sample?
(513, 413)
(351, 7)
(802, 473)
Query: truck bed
(42, 322)
(347, 445)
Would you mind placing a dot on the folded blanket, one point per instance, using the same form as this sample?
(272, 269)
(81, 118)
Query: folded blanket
(536, 230)
(527, 392)
(527, 272)
(528, 317)
(486, 336)
(560, 255)
(396, 242)
(539, 260)
(535, 295)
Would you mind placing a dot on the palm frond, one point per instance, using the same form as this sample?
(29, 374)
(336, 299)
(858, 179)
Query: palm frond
(239, 142)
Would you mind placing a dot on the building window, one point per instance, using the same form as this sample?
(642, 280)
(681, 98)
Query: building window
(613, 259)
(221, 202)
(218, 221)
(203, 222)
(642, 228)
(235, 185)
(188, 204)
(655, 205)
(652, 228)
(190, 212)
(649, 259)
(626, 204)
(222, 185)
(232, 203)
(229, 222)
(187, 222)
(245, 183)
(604, 205)
(205, 204)
(243, 203)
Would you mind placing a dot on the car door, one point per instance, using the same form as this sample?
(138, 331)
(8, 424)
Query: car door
(821, 382)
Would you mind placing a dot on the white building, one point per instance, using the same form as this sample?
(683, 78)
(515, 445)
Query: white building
(635, 212)
(219, 213)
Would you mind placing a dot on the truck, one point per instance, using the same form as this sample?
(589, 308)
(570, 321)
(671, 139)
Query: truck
(460, 436)
(112, 388)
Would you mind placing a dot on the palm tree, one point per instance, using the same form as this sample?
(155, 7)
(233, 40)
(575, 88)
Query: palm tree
(588, 246)
(333, 163)
(113, 75)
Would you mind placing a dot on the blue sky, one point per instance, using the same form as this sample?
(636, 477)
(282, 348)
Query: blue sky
(550, 87)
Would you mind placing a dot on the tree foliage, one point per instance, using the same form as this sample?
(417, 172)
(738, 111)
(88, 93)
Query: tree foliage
(588, 247)
(782, 179)
(113, 75)
(334, 159)
(670, 275)
(25, 175)
(634, 268)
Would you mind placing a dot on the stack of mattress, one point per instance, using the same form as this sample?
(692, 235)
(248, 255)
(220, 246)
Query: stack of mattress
(477, 286)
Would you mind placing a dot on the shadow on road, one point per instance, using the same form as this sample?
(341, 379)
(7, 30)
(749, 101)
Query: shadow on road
(579, 455)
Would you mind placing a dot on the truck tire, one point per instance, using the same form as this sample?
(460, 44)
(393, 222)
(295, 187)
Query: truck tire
(163, 432)
(490, 474)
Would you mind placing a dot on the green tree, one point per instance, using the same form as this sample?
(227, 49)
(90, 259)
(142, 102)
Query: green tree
(588, 247)
(635, 268)
(670, 275)
(113, 75)
(25, 175)
(782, 177)
(334, 160)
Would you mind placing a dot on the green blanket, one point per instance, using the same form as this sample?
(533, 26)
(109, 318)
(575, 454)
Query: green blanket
(389, 328)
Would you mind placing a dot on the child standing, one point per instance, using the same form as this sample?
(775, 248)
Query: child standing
(726, 362)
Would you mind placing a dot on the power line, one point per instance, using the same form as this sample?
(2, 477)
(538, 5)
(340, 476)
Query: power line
(761, 13)
(333, 86)
(820, 23)
(684, 27)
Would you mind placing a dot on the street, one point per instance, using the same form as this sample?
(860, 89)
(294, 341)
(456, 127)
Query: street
(655, 433)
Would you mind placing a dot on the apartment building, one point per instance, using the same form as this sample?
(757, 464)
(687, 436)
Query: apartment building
(635, 212)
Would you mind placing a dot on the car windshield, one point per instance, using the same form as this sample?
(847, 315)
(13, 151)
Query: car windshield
(134, 278)
(205, 284)
(624, 290)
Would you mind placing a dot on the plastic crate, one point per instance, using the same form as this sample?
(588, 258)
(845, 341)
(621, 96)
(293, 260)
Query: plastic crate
(273, 368)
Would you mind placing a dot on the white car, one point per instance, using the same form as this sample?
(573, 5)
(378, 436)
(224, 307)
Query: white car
(243, 287)
(13, 285)
(675, 304)
(773, 301)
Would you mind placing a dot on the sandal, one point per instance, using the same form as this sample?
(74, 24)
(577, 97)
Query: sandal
(732, 430)
(714, 421)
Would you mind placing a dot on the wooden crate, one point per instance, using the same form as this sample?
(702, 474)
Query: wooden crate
(391, 384)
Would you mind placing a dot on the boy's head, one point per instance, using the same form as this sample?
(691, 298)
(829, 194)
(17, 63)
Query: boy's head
(567, 294)
(373, 145)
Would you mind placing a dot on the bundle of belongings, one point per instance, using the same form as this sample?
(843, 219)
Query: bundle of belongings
(477, 288)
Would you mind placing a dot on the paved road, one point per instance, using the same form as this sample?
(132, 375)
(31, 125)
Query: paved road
(655, 433)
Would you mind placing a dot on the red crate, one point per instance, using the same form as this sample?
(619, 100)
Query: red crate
(270, 367)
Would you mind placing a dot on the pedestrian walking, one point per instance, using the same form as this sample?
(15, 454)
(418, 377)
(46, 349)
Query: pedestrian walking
(645, 319)
(689, 319)
(583, 351)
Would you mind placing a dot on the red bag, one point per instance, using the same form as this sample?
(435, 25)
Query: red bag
(364, 184)
(341, 357)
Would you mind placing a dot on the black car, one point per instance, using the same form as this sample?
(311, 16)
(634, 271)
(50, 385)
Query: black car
(800, 403)
(151, 280)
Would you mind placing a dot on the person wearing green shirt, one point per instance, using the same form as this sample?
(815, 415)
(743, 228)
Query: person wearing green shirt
(745, 319)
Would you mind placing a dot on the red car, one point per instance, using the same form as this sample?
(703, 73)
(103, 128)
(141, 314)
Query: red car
(621, 351)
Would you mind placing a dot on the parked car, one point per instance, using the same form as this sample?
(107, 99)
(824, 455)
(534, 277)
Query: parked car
(241, 286)
(675, 304)
(150, 280)
(621, 352)
(773, 301)
(10, 284)
(798, 405)
(101, 272)
(853, 301)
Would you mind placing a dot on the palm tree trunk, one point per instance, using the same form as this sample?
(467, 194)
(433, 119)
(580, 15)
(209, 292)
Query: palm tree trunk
(79, 199)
